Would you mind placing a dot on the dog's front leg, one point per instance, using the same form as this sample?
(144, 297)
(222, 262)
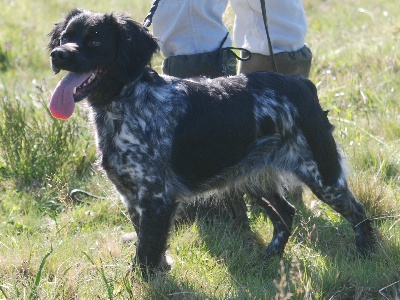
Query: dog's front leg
(155, 221)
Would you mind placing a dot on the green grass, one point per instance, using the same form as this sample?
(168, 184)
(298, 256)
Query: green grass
(52, 247)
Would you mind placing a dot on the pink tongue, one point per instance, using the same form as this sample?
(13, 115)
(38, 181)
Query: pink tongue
(62, 102)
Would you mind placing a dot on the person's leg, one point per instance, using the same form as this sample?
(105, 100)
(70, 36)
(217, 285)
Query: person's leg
(191, 35)
(287, 27)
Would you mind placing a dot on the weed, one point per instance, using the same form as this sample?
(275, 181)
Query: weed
(100, 269)
(33, 294)
(4, 59)
(35, 146)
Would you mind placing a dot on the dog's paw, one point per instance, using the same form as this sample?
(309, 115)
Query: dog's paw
(273, 251)
(367, 247)
(366, 240)
(148, 272)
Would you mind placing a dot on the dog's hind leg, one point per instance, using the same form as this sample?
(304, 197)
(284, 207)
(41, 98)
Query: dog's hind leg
(341, 199)
(281, 214)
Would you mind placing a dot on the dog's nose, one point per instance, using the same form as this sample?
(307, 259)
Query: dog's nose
(59, 55)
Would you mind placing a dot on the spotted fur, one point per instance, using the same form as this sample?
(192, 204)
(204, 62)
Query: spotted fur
(163, 140)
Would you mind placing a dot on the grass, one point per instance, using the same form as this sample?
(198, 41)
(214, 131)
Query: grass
(52, 247)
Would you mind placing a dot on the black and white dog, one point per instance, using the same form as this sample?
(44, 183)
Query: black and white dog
(165, 140)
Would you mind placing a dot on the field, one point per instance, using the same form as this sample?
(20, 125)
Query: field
(54, 247)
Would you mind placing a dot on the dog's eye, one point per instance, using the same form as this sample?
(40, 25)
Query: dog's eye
(63, 40)
(94, 44)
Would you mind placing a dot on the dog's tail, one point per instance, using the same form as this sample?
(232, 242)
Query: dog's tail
(318, 132)
(310, 118)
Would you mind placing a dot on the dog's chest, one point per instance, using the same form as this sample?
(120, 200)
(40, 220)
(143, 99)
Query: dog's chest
(132, 152)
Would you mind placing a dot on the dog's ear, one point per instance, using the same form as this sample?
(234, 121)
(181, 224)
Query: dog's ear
(136, 45)
(59, 27)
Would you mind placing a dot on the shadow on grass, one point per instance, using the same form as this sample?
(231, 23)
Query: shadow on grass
(242, 251)
(322, 241)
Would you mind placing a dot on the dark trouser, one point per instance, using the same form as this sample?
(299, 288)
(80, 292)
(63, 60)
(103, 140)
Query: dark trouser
(222, 62)
(213, 64)
(296, 62)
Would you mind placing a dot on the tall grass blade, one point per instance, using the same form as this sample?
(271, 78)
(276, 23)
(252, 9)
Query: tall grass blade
(36, 283)
(100, 269)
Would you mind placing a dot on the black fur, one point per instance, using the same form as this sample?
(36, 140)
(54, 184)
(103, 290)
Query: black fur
(164, 140)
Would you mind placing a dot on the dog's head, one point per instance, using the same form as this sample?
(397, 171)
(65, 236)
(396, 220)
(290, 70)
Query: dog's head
(101, 52)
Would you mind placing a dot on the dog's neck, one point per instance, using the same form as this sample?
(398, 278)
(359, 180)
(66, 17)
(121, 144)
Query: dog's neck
(112, 92)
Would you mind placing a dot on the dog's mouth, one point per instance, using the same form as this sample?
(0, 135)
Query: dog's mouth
(73, 88)
(87, 86)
